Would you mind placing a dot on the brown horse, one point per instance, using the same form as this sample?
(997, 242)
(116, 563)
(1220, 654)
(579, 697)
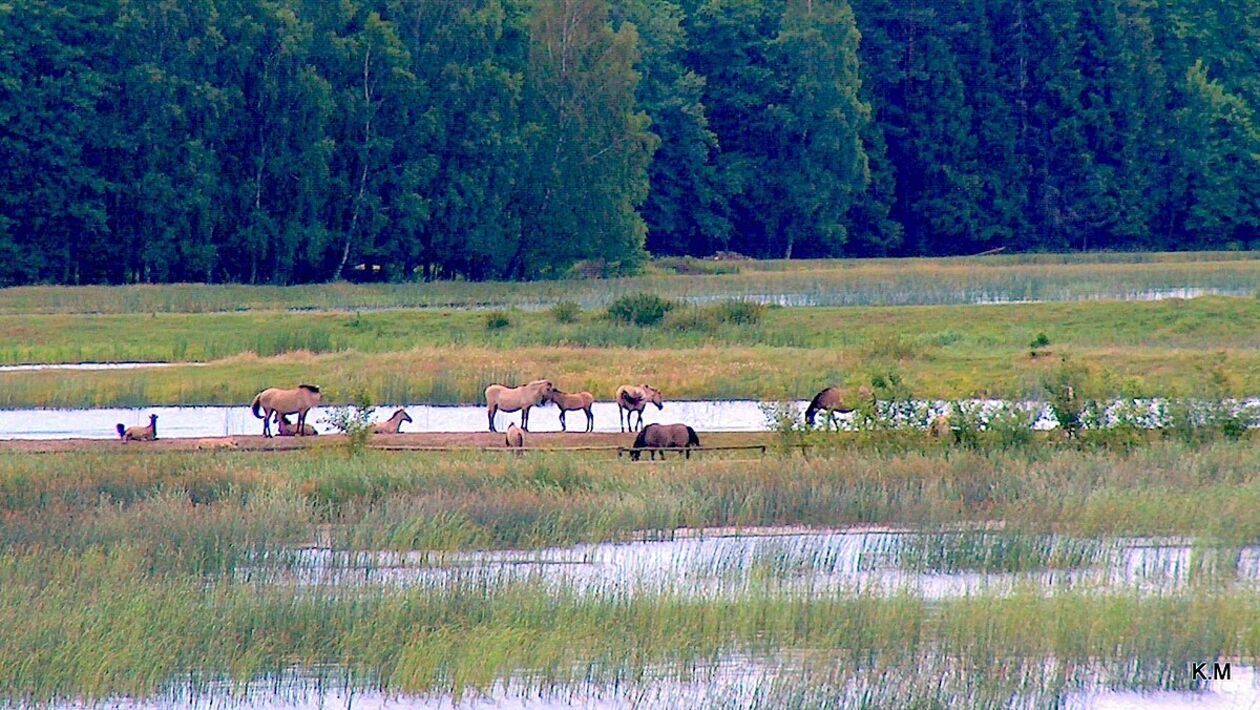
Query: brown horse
(631, 399)
(515, 438)
(275, 401)
(139, 433)
(393, 424)
(665, 436)
(831, 400)
(288, 428)
(571, 402)
(500, 398)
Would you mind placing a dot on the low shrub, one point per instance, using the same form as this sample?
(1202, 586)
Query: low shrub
(497, 320)
(566, 312)
(640, 309)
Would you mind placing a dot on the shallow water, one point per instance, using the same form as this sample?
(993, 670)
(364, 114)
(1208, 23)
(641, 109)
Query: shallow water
(704, 415)
(95, 366)
(814, 563)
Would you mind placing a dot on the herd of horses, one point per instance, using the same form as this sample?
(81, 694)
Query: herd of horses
(276, 404)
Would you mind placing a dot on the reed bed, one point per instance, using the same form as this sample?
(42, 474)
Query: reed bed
(838, 282)
(1209, 323)
(147, 575)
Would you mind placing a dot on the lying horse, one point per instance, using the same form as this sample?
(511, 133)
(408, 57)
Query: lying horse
(631, 399)
(510, 399)
(139, 433)
(280, 402)
(831, 400)
(288, 428)
(570, 402)
(393, 424)
(515, 438)
(669, 436)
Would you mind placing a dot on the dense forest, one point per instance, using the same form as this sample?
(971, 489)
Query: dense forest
(285, 141)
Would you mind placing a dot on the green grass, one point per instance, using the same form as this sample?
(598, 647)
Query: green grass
(130, 574)
(827, 282)
(1167, 348)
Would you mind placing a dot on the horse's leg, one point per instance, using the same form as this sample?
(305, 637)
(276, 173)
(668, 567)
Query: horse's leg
(562, 426)
(621, 417)
(267, 423)
(490, 411)
(301, 430)
(525, 418)
(590, 420)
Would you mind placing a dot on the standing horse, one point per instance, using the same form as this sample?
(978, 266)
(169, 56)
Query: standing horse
(664, 436)
(393, 424)
(500, 398)
(288, 428)
(139, 433)
(631, 399)
(280, 402)
(570, 402)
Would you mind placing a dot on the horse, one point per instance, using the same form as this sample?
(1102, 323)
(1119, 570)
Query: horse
(288, 428)
(138, 433)
(631, 399)
(500, 398)
(831, 400)
(673, 436)
(515, 438)
(393, 424)
(570, 402)
(940, 427)
(279, 402)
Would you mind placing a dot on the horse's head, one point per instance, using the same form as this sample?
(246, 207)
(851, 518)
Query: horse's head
(654, 396)
(405, 416)
(545, 391)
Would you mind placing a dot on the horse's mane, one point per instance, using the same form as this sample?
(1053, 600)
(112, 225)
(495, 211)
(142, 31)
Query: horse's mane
(309, 388)
(629, 398)
(641, 439)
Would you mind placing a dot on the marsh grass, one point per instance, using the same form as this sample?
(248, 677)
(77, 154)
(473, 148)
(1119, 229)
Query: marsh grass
(840, 282)
(124, 574)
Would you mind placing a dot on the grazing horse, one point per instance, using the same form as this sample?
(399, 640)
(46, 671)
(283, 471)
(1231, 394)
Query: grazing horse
(571, 402)
(831, 400)
(279, 402)
(139, 433)
(393, 424)
(288, 428)
(674, 436)
(515, 438)
(631, 399)
(500, 398)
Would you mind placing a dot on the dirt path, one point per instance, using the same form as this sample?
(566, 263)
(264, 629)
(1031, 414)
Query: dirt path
(436, 440)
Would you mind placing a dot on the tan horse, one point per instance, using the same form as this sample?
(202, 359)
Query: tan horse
(393, 424)
(631, 399)
(288, 428)
(940, 427)
(665, 436)
(511, 399)
(139, 433)
(831, 400)
(515, 438)
(571, 402)
(278, 402)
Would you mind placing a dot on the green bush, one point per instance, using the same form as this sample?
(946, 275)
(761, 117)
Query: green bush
(566, 312)
(497, 320)
(640, 309)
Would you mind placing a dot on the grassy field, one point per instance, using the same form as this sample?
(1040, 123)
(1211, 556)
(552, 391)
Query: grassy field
(131, 574)
(128, 571)
(1165, 348)
(837, 282)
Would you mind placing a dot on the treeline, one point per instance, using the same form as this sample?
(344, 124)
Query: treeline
(286, 141)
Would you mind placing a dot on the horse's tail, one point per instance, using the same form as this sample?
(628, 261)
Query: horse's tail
(256, 405)
(692, 439)
(122, 431)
